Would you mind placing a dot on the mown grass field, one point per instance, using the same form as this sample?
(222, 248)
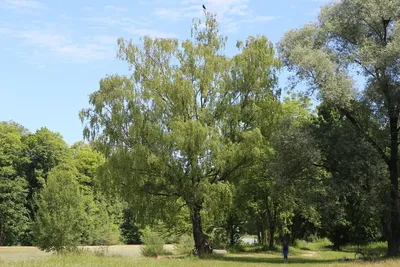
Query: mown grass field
(311, 254)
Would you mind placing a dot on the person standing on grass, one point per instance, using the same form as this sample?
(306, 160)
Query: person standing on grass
(285, 251)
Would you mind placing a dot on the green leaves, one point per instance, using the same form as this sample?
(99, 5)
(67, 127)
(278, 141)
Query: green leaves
(14, 217)
(360, 35)
(61, 216)
(188, 120)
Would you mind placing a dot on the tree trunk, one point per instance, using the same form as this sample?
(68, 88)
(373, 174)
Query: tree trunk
(263, 238)
(259, 238)
(2, 238)
(201, 243)
(394, 238)
(231, 230)
(271, 236)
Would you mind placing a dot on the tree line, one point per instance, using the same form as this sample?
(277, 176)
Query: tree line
(194, 141)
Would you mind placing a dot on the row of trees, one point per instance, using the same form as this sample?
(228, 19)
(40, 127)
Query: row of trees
(196, 141)
(192, 130)
(48, 192)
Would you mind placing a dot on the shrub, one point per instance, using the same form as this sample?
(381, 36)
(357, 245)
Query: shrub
(153, 244)
(218, 238)
(239, 246)
(61, 218)
(185, 245)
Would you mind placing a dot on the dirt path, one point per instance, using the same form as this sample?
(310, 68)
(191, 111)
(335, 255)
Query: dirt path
(22, 253)
(309, 254)
(32, 253)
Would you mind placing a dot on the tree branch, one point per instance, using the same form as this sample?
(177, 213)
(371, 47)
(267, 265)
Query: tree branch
(180, 207)
(367, 137)
(227, 173)
(322, 166)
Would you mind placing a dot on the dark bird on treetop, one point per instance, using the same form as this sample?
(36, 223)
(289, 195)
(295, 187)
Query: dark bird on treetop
(204, 7)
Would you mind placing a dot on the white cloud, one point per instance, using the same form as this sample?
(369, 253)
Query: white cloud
(231, 13)
(231, 25)
(149, 32)
(43, 39)
(115, 8)
(259, 19)
(25, 4)
(90, 49)
(119, 21)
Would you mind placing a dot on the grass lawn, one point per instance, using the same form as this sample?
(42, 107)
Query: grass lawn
(255, 260)
(304, 255)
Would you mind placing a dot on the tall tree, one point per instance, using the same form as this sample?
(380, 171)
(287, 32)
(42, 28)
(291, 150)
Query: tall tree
(355, 194)
(104, 213)
(61, 218)
(280, 181)
(184, 123)
(14, 217)
(364, 34)
(45, 150)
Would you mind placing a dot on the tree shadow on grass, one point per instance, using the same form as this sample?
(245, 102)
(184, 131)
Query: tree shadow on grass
(271, 260)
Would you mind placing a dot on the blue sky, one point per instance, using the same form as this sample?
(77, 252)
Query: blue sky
(53, 53)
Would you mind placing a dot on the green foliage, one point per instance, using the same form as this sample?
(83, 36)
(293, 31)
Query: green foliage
(25, 162)
(319, 244)
(87, 161)
(14, 217)
(153, 243)
(184, 123)
(103, 213)
(218, 238)
(185, 245)
(278, 186)
(363, 35)
(46, 150)
(129, 230)
(61, 217)
(102, 230)
(355, 196)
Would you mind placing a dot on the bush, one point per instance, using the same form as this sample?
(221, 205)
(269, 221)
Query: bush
(61, 218)
(301, 244)
(153, 244)
(239, 246)
(185, 245)
(218, 238)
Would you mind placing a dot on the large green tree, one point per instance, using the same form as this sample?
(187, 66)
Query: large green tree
(14, 217)
(45, 150)
(279, 183)
(355, 194)
(104, 214)
(60, 218)
(363, 34)
(186, 120)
